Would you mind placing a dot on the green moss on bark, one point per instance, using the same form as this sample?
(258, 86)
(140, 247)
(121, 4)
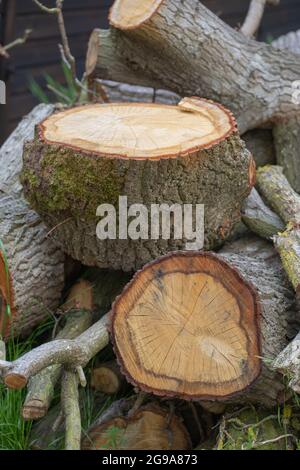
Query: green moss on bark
(62, 180)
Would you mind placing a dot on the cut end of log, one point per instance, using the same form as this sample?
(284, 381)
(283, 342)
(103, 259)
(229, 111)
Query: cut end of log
(150, 428)
(92, 53)
(130, 14)
(15, 381)
(34, 411)
(140, 130)
(187, 326)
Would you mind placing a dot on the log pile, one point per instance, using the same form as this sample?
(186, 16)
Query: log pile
(199, 340)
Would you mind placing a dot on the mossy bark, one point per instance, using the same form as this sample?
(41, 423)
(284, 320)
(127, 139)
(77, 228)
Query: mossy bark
(66, 186)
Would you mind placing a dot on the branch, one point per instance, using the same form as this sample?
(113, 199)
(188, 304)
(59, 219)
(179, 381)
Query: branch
(254, 16)
(44, 8)
(71, 410)
(16, 42)
(71, 353)
(67, 55)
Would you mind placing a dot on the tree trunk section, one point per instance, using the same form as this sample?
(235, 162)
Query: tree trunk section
(139, 153)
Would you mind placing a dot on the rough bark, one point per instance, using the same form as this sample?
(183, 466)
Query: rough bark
(259, 218)
(41, 386)
(220, 177)
(11, 162)
(180, 45)
(288, 363)
(290, 42)
(287, 132)
(31, 268)
(287, 143)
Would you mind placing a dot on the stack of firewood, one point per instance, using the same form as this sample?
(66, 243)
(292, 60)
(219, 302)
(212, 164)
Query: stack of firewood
(195, 332)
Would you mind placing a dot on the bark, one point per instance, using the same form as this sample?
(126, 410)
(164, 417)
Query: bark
(11, 162)
(220, 177)
(259, 218)
(279, 194)
(287, 142)
(31, 268)
(288, 363)
(290, 42)
(41, 386)
(71, 410)
(287, 132)
(180, 54)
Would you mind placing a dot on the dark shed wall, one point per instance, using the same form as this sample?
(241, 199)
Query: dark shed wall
(40, 55)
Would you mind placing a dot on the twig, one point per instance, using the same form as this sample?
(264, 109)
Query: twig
(16, 42)
(44, 8)
(254, 16)
(58, 10)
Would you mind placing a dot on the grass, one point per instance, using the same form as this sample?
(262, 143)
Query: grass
(14, 431)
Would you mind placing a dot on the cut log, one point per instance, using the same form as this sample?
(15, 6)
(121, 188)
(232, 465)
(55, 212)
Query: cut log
(31, 268)
(107, 378)
(150, 428)
(178, 43)
(188, 325)
(71, 410)
(150, 153)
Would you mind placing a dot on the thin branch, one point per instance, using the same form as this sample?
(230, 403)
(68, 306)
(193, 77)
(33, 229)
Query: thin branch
(16, 42)
(44, 8)
(254, 16)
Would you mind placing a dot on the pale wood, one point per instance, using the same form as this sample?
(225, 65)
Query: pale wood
(95, 154)
(140, 130)
(151, 427)
(187, 326)
(107, 378)
(128, 15)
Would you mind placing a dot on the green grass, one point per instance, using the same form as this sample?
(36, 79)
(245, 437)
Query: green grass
(14, 431)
